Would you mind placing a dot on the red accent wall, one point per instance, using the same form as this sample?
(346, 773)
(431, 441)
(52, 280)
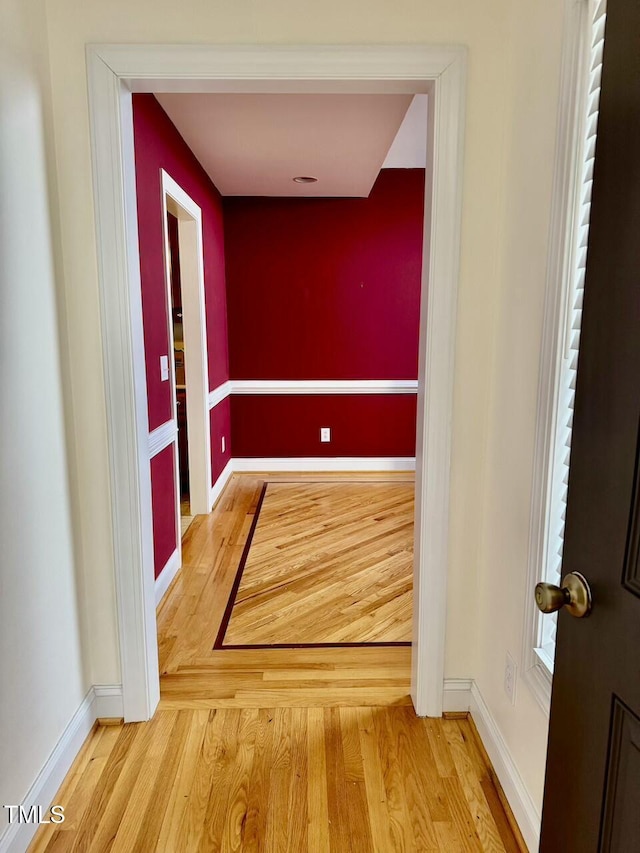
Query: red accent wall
(163, 505)
(326, 289)
(289, 425)
(158, 145)
(220, 424)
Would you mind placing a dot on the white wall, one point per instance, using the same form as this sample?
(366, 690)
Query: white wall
(41, 677)
(513, 70)
(534, 73)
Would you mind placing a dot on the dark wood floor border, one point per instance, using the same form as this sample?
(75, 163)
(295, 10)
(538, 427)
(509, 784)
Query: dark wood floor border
(224, 624)
(388, 644)
(226, 618)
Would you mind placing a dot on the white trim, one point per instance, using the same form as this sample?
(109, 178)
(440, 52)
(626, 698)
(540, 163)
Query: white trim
(536, 675)
(114, 72)
(436, 371)
(317, 463)
(161, 437)
(522, 804)
(219, 394)
(324, 386)
(219, 485)
(101, 700)
(108, 702)
(111, 121)
(167, 574)
(194, 323)
(457, 694)
(279, 68)
(17, 836)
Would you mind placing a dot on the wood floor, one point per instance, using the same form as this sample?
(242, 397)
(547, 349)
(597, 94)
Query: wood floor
(194, 673)
(328, 563)
(309, 750)
(307, 780)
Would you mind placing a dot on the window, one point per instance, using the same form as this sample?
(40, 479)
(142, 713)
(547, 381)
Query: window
(580, 91)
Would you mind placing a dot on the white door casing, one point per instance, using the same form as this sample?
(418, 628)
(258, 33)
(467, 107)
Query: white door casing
(115, 72)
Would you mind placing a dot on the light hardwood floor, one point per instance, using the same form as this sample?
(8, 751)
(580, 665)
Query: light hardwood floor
(309, 750)
(306, 780)
(195, 674)
(328, 563)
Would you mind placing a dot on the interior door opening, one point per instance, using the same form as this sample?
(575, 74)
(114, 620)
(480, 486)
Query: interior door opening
(411, 69)
(186, 516)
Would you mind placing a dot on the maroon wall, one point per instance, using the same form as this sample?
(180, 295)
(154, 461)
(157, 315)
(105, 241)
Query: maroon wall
(326, 289)
(220, 420)
(289, 425)
(163, 507)
(158, 145)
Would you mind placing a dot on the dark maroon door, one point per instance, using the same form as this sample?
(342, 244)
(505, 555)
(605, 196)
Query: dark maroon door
(592, 791)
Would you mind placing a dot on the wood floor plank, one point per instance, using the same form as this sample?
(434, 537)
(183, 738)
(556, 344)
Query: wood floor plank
(196, 724)
(165, 782)
(238, 803)
(339, 836)
(260, 783)
(222, 775)
(192, 825)
(467, 773)
(142, 789)
(275, 837)
(298, 806)
(317, 797)
(397, 806)
(416, 779)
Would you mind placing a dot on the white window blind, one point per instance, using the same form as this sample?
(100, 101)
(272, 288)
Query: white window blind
(570, 321)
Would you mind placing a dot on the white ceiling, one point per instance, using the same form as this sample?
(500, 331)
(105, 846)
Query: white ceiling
(254, 145)
(409, 148)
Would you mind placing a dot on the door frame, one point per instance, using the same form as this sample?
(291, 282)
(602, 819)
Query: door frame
(194, 321)
(114, 73)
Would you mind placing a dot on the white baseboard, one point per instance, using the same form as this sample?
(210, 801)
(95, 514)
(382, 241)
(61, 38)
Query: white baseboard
(17, 836)
(167, 574)
(456, 695)
(102, 700)
(220, 483)
(109, 702)
(462, 694)
(316, 463)
(524, 808)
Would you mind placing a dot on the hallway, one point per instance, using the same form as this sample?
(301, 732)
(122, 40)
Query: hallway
(286, 744)
(306, 780)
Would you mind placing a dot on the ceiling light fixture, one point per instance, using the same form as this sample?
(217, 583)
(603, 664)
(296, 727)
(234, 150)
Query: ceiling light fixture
(305, 179)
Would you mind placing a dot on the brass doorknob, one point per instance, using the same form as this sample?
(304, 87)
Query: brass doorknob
(574, 594)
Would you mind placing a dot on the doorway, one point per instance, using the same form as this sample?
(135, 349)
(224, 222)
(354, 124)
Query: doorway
(114, 73)
(189, 372)
(177, 325)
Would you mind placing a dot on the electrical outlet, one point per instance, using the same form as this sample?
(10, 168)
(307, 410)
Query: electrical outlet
(325, 433)
(164, 368)
(510, 677)
(224, 444)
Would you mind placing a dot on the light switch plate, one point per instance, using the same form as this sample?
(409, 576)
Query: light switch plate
(164, 368)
